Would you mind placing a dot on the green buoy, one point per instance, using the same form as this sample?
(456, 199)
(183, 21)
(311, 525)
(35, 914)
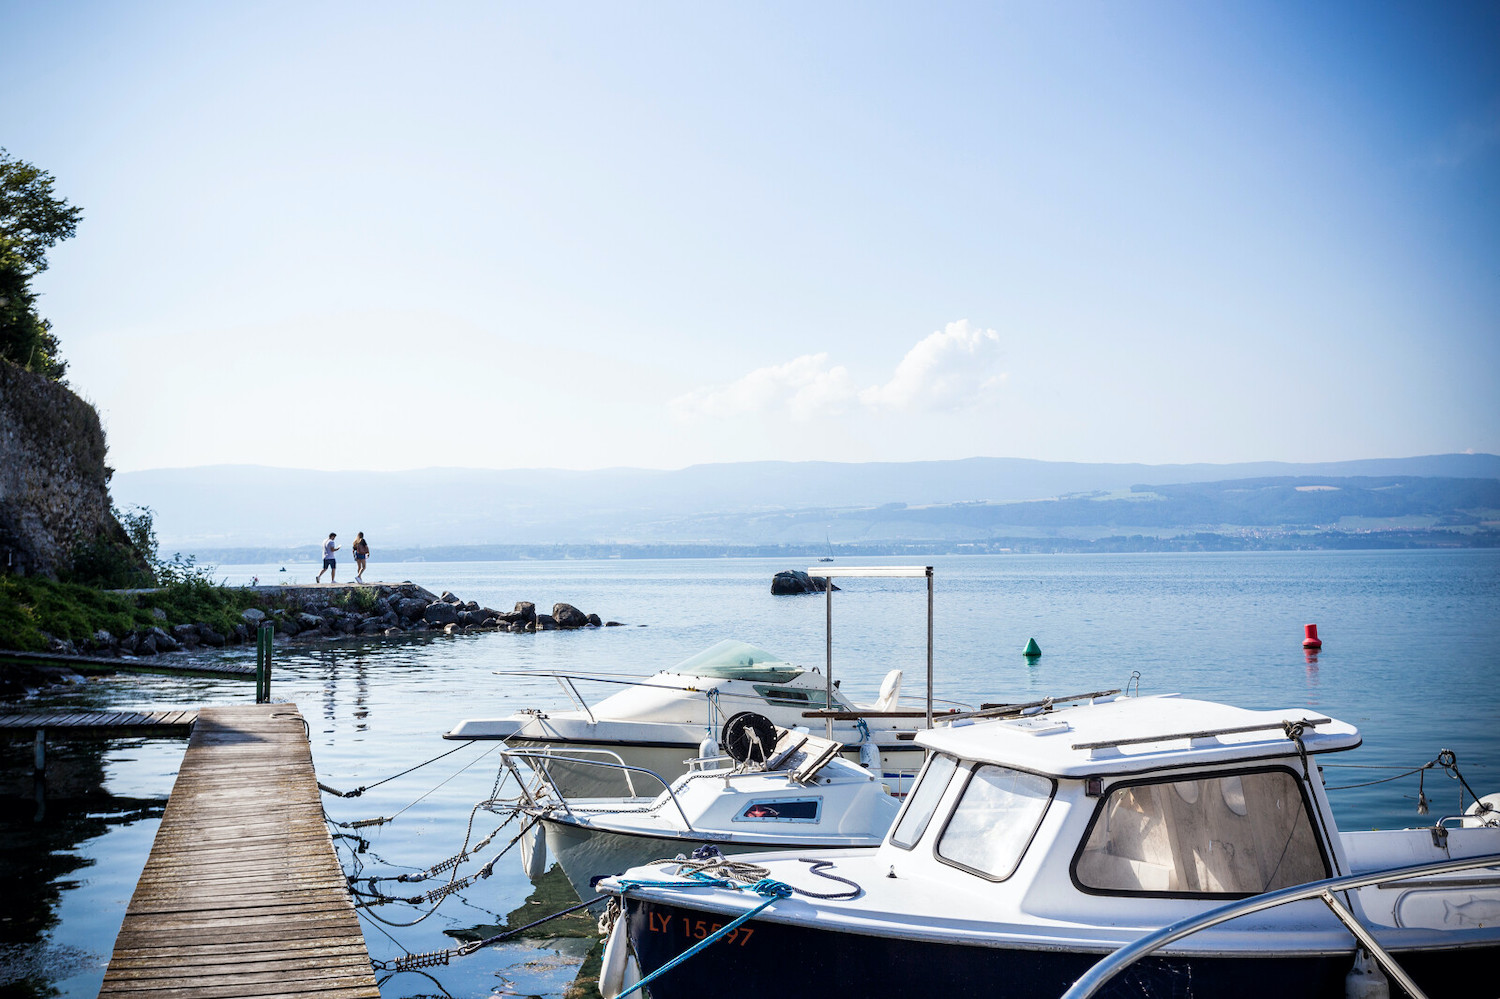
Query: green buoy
(1032, 649)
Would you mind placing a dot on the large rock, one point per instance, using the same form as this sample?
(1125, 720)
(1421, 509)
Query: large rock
(525, 612)
(411, 608)
(796, 581)
(595, 621)
(210, 637)
(306, 620)
(567, 616)
(440, 613)
(253, 616)
(545, 622)
(449, 598)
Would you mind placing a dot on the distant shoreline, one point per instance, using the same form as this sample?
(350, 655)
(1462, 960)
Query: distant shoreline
(1199, 542)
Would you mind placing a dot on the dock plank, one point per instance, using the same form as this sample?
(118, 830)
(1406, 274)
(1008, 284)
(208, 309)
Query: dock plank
(242, 896)
(103, 723)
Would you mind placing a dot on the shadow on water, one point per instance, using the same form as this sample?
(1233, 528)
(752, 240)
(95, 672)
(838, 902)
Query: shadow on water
(46, 826)
(560, 957)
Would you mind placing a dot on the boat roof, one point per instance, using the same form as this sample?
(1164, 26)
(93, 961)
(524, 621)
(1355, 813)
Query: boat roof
(734, 660)
(1133, 734)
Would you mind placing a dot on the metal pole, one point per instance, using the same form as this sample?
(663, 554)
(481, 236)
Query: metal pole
(828, 661)
(270, 644)
(929, 646)
(260, 664)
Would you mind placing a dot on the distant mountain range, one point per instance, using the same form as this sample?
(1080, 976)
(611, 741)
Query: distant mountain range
(215, 510)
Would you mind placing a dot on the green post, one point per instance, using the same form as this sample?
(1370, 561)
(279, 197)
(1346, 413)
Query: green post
(263, 637)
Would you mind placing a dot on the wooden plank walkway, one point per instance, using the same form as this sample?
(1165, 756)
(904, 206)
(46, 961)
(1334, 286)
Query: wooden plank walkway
(104, 723)
(130, 664)
(242, 895)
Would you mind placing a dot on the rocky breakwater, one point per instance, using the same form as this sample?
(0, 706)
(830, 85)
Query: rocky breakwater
(326, 612)
(409, 609)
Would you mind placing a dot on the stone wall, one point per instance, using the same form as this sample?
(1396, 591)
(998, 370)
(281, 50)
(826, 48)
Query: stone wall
(54, 485)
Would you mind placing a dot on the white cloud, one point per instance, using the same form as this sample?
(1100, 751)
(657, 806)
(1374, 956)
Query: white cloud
(803, 387)
(951, 369)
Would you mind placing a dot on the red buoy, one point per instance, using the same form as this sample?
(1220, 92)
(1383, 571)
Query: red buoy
(1311, 639)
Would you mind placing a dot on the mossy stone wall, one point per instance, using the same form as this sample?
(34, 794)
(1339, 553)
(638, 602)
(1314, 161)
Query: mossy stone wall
(54, 485)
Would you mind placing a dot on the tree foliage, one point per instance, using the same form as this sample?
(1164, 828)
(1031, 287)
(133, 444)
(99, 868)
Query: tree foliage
(32, 221)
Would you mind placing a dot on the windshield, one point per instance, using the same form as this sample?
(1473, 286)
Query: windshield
(734, 660)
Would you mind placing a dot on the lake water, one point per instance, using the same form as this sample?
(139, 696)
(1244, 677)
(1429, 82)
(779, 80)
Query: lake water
(1410, 656)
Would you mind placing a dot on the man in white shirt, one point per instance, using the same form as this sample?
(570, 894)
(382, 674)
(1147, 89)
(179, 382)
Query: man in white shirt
(330, 565)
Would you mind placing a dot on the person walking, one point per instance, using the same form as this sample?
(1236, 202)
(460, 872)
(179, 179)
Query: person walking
(361, 552)
(330, 564)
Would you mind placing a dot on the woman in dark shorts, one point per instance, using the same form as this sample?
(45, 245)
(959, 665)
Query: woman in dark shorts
(361, 552)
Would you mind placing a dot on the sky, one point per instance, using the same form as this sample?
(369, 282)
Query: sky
(387, 236)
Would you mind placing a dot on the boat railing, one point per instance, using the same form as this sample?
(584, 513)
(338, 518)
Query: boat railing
(550, 757)
(1100, 974)
(566, 683)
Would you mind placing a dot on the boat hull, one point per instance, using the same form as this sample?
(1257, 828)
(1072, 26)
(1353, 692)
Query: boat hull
(792, 962)
(670, 760)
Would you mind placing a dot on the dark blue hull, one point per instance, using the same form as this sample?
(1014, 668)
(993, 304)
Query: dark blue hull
(770, 959)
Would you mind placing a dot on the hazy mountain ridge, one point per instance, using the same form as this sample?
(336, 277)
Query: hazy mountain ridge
(218, 507)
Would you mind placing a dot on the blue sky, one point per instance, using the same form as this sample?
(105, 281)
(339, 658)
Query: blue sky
(501, 235)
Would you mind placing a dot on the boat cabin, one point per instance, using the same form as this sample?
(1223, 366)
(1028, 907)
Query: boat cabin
(1137, 797)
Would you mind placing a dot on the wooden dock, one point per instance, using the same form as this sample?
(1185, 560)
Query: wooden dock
(130, 664)
(242, 895)
(103, 723)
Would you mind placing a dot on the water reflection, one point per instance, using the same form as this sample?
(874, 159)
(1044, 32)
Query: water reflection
(49, 826)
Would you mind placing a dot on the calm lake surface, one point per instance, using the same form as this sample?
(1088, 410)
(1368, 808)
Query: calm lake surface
(1410, 656)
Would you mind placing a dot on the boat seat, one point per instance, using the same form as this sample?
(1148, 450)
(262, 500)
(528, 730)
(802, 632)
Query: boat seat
(890, 691)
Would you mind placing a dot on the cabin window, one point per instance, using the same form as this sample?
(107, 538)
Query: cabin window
(780, 810)
(923, 801)
(792, 696)
(1231, 834)
(994, 821)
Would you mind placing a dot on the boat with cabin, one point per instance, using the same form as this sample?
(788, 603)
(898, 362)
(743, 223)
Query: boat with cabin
(1033, 846)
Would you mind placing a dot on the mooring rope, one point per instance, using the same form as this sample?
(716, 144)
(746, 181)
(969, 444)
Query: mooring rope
(361, 790)
(434, 958)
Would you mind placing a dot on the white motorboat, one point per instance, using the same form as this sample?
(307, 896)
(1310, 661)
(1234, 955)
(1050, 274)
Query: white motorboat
(1031, 847)
(797, 795)
(662, 722)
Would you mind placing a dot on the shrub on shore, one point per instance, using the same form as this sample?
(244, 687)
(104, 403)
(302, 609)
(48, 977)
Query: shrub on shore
(33, 608)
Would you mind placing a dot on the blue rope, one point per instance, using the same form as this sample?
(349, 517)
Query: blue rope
(864, 729)
(773, 890)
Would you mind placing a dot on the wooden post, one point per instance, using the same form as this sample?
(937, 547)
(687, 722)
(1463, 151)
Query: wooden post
(40, 759)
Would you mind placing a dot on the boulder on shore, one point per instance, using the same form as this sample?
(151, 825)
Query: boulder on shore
(440, 613)
(796, 581)
(569, 617)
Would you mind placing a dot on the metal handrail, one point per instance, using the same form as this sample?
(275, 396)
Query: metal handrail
(1110, 966)
(522, 754)
(552, 754)
(566, 683)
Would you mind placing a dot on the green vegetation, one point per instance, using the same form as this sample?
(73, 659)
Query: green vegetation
(129, 560)
(30, 606)
(32, 221)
